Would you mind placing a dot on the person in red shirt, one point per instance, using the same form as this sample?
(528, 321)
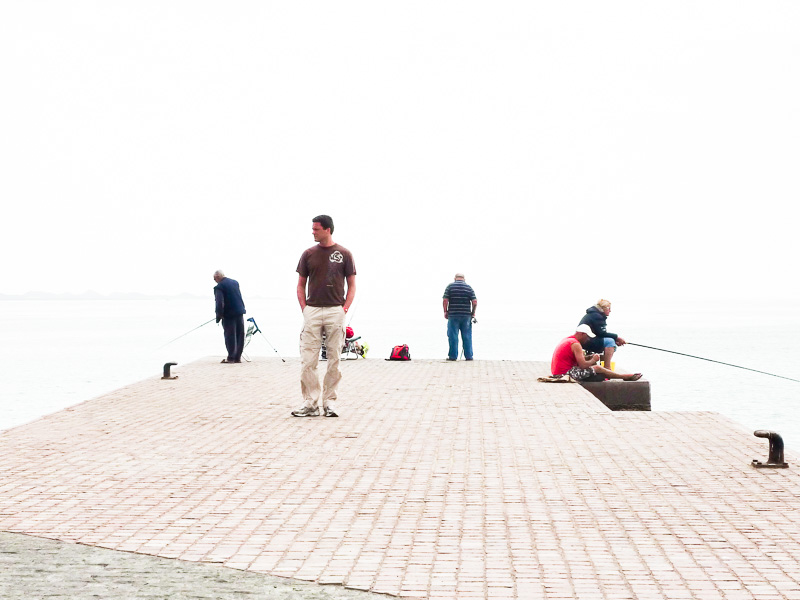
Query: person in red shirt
(568, 359)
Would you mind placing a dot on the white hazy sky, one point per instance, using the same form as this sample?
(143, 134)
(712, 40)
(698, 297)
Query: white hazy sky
(554, 149)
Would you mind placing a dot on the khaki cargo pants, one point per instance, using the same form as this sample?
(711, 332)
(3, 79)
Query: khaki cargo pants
(316, 321)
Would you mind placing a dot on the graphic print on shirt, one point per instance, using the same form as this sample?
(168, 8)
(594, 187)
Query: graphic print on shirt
(335, 268)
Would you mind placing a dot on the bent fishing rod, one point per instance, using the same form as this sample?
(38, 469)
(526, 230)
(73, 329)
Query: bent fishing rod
(258, 330)
(714, 361)
(187, 333)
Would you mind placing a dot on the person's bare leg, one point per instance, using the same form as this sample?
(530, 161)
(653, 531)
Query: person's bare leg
(608, 373)
(608, 356)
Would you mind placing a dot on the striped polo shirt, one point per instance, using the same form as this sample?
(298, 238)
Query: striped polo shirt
(460, 296)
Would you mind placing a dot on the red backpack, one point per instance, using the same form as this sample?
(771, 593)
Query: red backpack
(400, 353)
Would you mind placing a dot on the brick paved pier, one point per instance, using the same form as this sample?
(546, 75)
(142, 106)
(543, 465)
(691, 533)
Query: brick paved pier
(439, 480)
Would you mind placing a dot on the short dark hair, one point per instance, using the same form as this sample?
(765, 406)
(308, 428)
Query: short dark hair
(325, 221)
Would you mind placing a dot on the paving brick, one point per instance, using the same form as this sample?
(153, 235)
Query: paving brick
(437, 480)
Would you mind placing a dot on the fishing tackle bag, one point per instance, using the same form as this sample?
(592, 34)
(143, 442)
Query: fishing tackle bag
(400, 353)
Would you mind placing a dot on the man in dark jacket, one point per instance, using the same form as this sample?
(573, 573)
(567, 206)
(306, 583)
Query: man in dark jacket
(230, 310)
(604, 341)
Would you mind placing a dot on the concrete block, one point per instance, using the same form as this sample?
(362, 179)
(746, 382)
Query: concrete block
(621, 395)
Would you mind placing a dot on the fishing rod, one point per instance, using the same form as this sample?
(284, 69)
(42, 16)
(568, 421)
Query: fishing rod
(351, 311)
(251, 319)
(187, 333)
(714, 361)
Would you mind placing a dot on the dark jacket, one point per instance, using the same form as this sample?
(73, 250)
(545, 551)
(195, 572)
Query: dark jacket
(596, 320)
(229, 299)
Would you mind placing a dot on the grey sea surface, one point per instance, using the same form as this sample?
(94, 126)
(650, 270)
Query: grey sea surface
(56, 353)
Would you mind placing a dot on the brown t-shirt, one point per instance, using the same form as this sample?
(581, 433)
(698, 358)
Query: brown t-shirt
(326, 270)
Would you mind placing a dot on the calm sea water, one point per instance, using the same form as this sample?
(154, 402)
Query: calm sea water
(57, 353)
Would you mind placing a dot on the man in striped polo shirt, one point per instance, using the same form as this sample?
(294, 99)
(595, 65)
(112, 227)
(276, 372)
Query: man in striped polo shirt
(459, 304)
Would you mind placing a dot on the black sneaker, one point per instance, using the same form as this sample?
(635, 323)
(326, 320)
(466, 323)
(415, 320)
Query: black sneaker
(330, 413)
(306, 412)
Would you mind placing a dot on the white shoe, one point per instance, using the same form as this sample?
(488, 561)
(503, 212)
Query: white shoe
(306, 412)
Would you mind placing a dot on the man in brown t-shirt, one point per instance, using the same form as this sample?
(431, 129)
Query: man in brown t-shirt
(323, 271)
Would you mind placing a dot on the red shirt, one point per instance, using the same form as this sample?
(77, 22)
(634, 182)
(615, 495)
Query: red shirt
(563, 358)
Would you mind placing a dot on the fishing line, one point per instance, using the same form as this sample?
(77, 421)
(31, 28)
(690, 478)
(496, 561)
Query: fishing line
(714, 361)
(187, 333)
(350, 312)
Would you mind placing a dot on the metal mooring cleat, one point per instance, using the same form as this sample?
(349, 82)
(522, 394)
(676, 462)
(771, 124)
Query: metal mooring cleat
(775, 460)
(168, 376)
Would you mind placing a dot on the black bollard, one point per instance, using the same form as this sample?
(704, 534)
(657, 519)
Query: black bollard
(775, 460)
(166, 371)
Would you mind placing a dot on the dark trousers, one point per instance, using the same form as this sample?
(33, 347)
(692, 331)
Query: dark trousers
(233, 328)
